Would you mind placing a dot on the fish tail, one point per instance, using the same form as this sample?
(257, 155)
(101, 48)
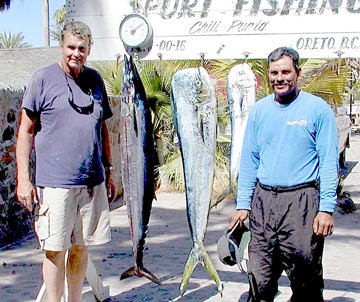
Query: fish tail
(199, 255)
(210, 268)
(190, 265)
(140, 272)
(128, 273)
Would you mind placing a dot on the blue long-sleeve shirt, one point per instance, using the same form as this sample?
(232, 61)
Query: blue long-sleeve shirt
(287, 145)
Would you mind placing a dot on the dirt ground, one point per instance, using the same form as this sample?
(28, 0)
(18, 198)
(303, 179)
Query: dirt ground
(167, 247)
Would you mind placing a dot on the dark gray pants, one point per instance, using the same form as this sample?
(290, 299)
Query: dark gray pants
(282, 238)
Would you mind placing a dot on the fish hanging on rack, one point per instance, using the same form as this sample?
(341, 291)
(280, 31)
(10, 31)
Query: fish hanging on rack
(241, 96)
(194, 109)
(137, 163)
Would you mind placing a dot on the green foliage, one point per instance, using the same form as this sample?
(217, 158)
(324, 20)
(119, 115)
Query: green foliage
(112, 74)
(322, 77)
(59, 18)
(172, 171)
(12, 40)
(4, 5)
(354, 65)
(328, 79)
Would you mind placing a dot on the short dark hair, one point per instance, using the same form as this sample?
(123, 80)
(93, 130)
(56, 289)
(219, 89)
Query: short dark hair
(77, 28)
(285, 51)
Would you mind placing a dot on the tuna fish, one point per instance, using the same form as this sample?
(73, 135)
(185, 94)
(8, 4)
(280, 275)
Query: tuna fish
(194, 108)
(137, 163)
(241, 96)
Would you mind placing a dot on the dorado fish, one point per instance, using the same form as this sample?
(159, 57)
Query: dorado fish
(241, 96)
(194, 108)
(137, 163)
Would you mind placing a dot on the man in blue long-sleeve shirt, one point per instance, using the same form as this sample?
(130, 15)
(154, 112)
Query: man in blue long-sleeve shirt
(287, 184)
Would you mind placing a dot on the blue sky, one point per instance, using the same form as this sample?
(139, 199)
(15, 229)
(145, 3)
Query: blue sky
(26, 16)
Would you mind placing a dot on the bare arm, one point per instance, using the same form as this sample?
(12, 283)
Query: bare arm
(25, 190)
(107, 162)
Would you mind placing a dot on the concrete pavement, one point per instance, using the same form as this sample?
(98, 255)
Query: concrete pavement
(167, 248)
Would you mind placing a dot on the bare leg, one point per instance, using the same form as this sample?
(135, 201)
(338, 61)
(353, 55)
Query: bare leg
(54, 275)
(76, 270)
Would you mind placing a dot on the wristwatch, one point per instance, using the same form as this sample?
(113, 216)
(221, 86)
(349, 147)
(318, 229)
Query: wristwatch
(109, 168)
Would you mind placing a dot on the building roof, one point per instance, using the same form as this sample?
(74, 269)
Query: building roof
(17, 65)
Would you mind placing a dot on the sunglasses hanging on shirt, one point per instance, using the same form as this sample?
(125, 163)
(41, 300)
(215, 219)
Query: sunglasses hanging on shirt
(80, 109)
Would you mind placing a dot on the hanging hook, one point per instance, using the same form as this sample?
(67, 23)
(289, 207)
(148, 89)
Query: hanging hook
(202, 56)
(137, 7)
(137, 60)
(160, 63)
(118, 57)
(220, 48)
(339, 54)
(246, 55)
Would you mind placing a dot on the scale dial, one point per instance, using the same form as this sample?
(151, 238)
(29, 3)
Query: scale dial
(135, 31)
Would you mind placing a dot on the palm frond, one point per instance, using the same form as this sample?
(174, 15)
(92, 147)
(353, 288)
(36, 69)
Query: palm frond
(112, 74)
(322, 77)
(12, 40)
(4, 5)
(172, 171)
(328, 79)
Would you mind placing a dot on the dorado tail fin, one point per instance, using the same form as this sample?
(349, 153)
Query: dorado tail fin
(140, 272)
(199, 255)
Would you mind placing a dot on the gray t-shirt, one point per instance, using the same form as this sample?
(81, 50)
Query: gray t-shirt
(68, 142)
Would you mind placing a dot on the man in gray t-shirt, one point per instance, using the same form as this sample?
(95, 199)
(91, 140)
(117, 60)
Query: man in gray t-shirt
(64, 109)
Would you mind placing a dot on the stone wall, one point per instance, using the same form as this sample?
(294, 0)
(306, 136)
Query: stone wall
(15, 221)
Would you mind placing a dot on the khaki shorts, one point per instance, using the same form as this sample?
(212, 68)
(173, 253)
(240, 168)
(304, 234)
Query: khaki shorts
(67, 217)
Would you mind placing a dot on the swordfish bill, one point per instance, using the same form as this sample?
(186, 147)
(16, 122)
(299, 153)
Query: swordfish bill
(194, 108)
(137, 163)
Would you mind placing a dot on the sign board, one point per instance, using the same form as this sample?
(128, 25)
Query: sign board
(226, 29)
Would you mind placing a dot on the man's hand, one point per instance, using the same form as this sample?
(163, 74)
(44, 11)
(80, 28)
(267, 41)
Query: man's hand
(26, 194)
(111, 187)
(240, 215)
(323, 224)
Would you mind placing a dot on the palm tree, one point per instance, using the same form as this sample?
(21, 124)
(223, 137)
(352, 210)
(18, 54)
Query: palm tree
(5, 4)
(9, 40)
(322, 77)
(46, 35)
(59, 17)
(326, 78)
(156, 77)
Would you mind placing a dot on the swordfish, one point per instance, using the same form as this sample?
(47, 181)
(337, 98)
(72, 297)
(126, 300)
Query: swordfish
(137, 163)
